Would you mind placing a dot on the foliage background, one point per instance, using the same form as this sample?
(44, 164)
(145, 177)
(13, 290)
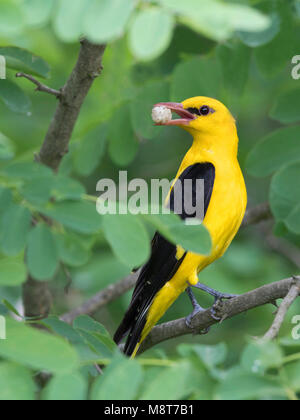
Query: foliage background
(157, 51)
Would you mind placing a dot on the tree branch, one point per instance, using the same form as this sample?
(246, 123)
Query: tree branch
(285, 248)
(257, 214)
(73, 94)
(290, 298)
(107, 295)
(40, 86)
(55, 146)
(259, 297)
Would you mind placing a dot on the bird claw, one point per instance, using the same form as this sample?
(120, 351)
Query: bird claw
(218, 301)
(214, 315)
(189, 318)
(224, 296)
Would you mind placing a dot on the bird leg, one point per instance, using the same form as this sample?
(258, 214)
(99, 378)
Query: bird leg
(196, 306)
(219, 297)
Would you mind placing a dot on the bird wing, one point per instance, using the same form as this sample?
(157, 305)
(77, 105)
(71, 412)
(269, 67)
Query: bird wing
(163, 263)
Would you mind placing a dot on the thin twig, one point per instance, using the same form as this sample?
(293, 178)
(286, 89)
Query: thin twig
(257, 214)
(290, 298)
(40, 86)
(107, 295)
(285, 248)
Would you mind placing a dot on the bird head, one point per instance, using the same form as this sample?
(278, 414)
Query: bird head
(200, 115)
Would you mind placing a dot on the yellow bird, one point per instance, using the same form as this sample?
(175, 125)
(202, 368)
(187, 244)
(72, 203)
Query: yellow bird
(170, 270)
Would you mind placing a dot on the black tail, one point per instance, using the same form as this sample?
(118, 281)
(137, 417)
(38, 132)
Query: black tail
(136, 316)
(154, 275)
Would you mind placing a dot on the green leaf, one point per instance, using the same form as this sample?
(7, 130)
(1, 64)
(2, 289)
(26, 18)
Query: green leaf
(275, 150)
(121, 381)
(27, 171)
(258, 357)
(233, 56)
(90, 151)
(286, 108)
(24, 344)
(42, 254)
(24, 61)
(16, 383)
(141, 108)
(87, 277)
(61, 328)
(99, 334)
(85, 322)
(11, 308)
(284, 191)
(293, 221)
(99, 344)
(14, 97)
(37, 13)
(292, 373)
(106, 20)
(218, 20)
(11, 19)
(82, 217)
(15, 226)
(38, 190)
(65, 188)
(193, 238)
(123, 146)
(244, 386)
(212, 356)
(71, 387)
(128, 238)
(68, 20)
(150, 33)
(274, 57)
(208, 84)
(257, 39)
(7, 148)
(5, 199)
(13, 271)
(72, 251)
(170, 384)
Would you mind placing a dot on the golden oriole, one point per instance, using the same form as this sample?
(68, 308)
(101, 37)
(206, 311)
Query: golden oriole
(170, 270)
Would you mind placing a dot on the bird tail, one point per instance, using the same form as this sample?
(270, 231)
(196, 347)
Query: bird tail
(132, 326)
(135, 351)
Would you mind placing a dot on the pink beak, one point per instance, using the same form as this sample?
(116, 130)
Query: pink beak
(186, 116)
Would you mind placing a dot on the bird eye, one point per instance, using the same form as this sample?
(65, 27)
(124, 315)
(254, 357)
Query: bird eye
(204, 110)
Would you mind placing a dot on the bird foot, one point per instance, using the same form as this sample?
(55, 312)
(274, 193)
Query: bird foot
(196, 311)
(217, 307)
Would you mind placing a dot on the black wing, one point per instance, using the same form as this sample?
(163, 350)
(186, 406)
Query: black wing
(162, 264)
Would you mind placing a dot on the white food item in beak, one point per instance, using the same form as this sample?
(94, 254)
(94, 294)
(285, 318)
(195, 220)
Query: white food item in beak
(161, 115)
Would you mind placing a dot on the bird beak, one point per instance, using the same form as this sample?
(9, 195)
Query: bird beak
(186, 116)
